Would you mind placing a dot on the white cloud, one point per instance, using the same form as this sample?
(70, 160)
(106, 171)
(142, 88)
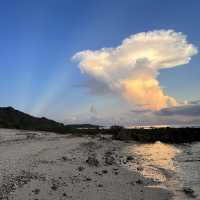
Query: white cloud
(131, 69)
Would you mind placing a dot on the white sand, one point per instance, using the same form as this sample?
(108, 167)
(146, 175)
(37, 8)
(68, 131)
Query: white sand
(46, 166)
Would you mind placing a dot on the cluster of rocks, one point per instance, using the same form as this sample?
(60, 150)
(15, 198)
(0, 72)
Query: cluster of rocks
(109, 158)
(168, 135)
(92, 161)
(12, 182)
(56, 183)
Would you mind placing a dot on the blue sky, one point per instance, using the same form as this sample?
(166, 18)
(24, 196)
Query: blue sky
(39, 37)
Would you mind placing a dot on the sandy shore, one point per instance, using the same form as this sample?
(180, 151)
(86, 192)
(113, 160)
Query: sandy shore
(45, 166)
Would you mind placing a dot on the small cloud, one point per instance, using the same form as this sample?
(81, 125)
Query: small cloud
(197, 102)
(141, 111)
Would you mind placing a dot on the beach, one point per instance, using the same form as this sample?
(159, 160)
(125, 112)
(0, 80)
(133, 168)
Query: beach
(43, 165)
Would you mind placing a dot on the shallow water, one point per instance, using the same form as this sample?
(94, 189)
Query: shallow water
(173, 166)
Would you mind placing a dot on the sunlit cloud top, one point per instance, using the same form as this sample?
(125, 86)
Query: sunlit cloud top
(131, 69)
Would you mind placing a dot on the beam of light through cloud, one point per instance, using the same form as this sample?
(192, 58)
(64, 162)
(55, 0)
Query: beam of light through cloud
(52, 92)
(130, 70)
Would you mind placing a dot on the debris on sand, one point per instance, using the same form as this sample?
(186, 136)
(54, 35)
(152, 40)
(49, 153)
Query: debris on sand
(116, 173)
(132, 183)
(64, 159)
(56, 183)
(90, 146)
(100, 185)
(109, 158)
(98, 173)
(104, 171)
(54, 187)
(80, 168)
(36, 191)
(189, 192)
(140, 168)
(70, 167)
(129, 158)
(139, 181)
(11, 183)
(64, 194)
(31, 136)
(92, 161)
(88, 179)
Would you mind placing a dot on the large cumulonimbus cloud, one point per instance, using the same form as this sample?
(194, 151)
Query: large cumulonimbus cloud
(131, 69)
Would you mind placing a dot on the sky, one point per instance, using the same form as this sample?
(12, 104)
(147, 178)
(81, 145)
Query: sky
(130, 62)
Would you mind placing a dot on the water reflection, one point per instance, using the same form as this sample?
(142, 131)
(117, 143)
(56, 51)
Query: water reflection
(174, 167)
(156, 159)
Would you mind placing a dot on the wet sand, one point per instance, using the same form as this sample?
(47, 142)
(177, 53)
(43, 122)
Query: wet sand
(47, 166)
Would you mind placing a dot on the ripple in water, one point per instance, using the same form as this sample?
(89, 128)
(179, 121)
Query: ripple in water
(173, 166)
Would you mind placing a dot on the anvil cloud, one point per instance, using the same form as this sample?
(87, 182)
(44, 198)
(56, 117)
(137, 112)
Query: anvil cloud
(131, 69)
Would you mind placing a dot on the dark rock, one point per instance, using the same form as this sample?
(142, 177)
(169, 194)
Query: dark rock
(122, 135)
(81, 168)
(54, 187)
(36, 191)
(100, 185)
(129, 158)
(139, 168)
(109, 158)
(64, 158)
(114, 130)
(139, 181)
(190, 192)
(88, 179)
(169, 135)
(98, 173)
(92, 161)
(124, 162)
(104, 171)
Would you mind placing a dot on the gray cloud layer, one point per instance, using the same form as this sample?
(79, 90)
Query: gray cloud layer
(184, 110)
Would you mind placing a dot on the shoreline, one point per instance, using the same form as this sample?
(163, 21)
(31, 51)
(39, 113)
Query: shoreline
(39, 165)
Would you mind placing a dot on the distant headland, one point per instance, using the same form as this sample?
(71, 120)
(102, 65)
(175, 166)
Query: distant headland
(14, 119)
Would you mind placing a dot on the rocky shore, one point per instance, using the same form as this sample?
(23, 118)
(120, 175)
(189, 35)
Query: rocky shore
(41, 165)
(167, 135)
